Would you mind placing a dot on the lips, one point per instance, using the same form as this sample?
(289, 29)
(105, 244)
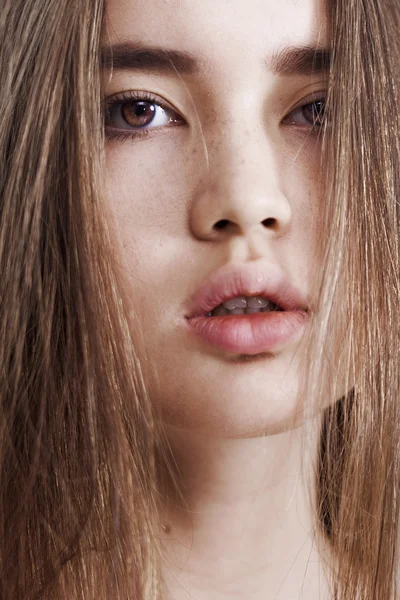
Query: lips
(251, 279)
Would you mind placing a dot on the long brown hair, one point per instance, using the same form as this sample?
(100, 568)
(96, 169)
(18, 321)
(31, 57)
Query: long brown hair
(358, 315)
(81, 450)
(76, 429)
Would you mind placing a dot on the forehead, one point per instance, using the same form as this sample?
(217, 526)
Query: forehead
(218, 30)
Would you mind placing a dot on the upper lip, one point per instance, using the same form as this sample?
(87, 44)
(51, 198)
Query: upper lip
(251, 279)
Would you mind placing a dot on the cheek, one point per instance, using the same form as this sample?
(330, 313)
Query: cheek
(148, 195)
(302, 182)
(149, 186)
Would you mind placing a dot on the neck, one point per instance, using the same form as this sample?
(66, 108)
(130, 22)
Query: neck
(245, 517)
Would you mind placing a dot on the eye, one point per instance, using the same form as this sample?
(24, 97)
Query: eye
(136, 114)
(309, 115)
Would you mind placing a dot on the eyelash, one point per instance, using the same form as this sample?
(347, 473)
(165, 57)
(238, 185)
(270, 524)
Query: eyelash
(131, 96)
(119, 100)
(311, 128)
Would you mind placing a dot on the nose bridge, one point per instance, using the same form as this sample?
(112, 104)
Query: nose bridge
(242, 185)
(243, 159)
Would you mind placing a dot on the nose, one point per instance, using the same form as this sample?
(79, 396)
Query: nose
(242, 191)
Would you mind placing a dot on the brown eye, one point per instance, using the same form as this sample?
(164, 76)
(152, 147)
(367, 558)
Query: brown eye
(141, 113)
(315, 112)
(138, 113)
(311, 114)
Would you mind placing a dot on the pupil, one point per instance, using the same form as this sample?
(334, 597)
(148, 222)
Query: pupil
(138, 113)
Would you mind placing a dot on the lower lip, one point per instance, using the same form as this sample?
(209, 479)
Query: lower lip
(250, 334)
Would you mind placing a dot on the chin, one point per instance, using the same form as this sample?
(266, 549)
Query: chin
(232, 413)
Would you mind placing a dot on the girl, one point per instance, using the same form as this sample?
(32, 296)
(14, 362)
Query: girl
(199, 299)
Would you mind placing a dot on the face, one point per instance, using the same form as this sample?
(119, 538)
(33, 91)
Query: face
(213, 162)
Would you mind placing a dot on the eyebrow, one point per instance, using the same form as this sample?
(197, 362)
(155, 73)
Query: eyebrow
(157, 60)
(303, 60)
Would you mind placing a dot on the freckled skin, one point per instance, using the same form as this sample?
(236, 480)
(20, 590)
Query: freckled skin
(233, 160)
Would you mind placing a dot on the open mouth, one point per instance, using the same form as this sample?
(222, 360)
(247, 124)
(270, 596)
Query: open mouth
(244, 305)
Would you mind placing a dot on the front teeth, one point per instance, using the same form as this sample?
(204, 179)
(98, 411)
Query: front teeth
(239, 302)
(244, 302)
(242, 305)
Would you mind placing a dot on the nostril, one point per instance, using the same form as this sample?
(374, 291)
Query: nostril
(221, 224)
(269, 222)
